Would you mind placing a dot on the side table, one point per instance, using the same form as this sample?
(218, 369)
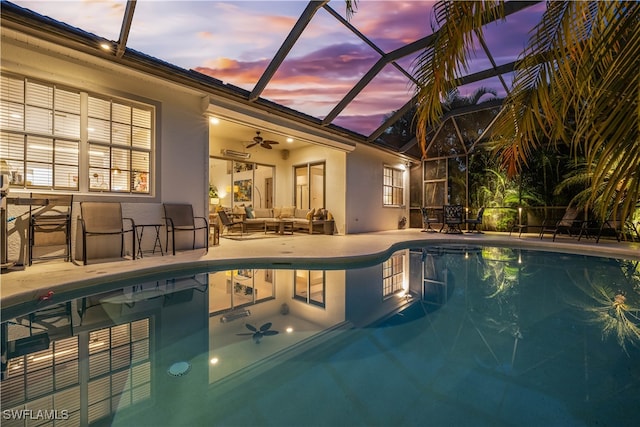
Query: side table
(214, 234)
(156, 243)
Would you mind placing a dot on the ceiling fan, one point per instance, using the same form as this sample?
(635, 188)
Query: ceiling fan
(264, 143)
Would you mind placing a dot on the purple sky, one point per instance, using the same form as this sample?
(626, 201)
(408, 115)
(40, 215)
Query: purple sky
(234, 41)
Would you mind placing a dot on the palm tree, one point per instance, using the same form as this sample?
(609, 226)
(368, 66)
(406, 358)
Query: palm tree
(576, 83)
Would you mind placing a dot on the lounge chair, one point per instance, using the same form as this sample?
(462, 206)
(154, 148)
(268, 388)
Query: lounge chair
(474, 222)
(618, 228)
(229, 224)
(102, 219)
(179, 217)
(428, 217)
(569, 223)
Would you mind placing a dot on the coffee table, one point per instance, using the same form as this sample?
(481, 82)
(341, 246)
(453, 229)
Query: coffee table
(285, 226)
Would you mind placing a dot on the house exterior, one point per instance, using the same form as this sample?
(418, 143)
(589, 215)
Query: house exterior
(81, 120)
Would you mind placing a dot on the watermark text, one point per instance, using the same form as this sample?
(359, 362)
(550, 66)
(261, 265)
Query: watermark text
(30, 414)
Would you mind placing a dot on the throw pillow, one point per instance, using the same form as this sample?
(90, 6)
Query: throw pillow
(249, 211)
(261, 213)
(276, 212)
(329, 216)
(238, 210)
(310, 214)
(287, 211)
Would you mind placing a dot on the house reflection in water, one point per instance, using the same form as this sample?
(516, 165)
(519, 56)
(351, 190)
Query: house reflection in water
(120, 351)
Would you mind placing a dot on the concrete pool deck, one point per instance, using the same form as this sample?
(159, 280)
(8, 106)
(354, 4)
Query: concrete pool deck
(26, 285)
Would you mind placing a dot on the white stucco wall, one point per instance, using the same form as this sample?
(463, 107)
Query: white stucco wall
(364, 178)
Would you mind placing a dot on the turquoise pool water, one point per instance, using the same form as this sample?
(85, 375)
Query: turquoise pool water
(437, 336)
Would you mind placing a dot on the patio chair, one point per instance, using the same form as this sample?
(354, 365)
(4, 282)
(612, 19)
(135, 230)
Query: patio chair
(569, 223)
(179, 217)
(428, 217)
(50, 224)
(229, 224)
(474, 222)
(103, 219)
(452, 218)
(618, 228)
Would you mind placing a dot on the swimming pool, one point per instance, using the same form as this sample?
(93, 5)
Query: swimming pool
(444, 335)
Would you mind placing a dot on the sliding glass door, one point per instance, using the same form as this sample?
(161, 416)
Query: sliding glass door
(240, 183)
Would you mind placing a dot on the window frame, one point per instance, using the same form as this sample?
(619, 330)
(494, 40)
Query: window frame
(306, 297)
(392, 190)
(302, 197)
(393, 274)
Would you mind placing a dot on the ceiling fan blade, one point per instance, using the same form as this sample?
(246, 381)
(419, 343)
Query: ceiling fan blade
(251, 327)
(252, 144)
(271, 142)
(265, 326)
(267, 146)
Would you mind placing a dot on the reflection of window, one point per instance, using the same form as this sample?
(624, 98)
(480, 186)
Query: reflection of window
(393, 187)
(119, 374)
(310, 287)
(392, 275)
(49, 376)
(119, 368)
(42, 140)
(236, 288)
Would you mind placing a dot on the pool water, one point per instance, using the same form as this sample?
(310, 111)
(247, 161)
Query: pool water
(435, 336)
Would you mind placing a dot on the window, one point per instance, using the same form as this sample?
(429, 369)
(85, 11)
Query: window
(119, 137)
(41, 139)
(309, 287)
(392, 275)
(40, 134)
(393, 187)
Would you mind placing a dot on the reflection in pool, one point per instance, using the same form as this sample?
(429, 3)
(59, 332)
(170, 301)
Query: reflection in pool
(448, 335)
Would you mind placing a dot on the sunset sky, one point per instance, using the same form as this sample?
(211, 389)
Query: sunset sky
(234, 41)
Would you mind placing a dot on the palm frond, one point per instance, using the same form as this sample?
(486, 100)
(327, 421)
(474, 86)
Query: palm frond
(578, 83)
(351, 6)
(528, 111)
(438, 67)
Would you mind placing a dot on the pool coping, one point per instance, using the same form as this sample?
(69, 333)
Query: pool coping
(25, 288)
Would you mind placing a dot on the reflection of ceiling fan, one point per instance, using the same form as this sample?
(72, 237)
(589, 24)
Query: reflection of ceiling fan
(264, 143)
(258, 334)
